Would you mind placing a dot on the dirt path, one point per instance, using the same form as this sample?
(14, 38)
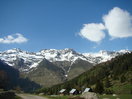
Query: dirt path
(28, 96)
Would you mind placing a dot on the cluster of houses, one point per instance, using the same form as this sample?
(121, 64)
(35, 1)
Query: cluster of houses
(74, 91)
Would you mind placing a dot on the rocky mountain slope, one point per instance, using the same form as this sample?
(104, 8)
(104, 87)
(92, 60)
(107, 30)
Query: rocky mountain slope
(48, 73)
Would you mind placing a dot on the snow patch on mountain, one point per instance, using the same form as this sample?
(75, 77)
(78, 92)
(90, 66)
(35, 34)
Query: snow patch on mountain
(61, 55)
(103, 56)
(27, 60)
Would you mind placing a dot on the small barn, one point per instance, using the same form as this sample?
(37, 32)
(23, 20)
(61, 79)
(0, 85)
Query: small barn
(62, 92)
(87, 90)
(74, 92)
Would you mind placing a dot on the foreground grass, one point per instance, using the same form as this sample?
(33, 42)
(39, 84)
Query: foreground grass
(122, 88)
(122, 96)
(64, 97)
(58, 97)
(17, 97)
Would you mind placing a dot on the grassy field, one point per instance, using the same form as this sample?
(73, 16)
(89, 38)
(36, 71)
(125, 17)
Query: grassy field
(122, 96)
(58, 97)
(122, 88)
(65, 97)
(17, 97)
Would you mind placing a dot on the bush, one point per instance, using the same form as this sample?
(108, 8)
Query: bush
(108, 91)
(7, 95)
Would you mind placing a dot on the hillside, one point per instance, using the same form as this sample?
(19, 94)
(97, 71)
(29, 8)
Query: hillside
(49, 74)
(10, 79)
(113, 76)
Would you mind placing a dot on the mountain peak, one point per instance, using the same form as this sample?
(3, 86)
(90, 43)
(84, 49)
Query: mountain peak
(13, 50)
(66, 54)
(55, 50)
(124, 51)
(53, 55)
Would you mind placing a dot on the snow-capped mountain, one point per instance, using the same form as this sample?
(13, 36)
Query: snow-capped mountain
(103, 56)
(24, 59)
(61, 55)
(27, 60)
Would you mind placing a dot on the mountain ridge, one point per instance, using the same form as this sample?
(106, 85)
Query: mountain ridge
(55, 66)
(28, 60)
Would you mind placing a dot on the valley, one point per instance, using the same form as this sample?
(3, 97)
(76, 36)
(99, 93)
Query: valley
(36, 73)
(65, 49)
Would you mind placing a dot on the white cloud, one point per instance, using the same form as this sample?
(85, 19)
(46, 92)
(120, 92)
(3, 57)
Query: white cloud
(15, 38)
(118, 22)
(93, 32)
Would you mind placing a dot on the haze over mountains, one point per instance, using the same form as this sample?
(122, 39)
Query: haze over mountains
(50, 66)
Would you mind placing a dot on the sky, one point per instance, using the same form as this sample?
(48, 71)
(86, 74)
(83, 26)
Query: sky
(83, 25)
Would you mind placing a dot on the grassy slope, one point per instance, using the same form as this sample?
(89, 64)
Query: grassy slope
(121, 96)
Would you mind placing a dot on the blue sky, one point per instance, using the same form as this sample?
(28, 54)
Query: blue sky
(33, 25)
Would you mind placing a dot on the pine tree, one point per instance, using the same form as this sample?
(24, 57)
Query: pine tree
(107, 82)
(99, 88)
(122, 79)
(3, 79)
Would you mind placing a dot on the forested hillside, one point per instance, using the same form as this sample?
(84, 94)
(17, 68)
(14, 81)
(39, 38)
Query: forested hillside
(113, 76)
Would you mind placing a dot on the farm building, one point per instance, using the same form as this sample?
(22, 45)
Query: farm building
(62, 92)
(74, 92)
(87, 90)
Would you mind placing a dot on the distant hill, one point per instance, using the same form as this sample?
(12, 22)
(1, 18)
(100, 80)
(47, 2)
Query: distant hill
(114, 76)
